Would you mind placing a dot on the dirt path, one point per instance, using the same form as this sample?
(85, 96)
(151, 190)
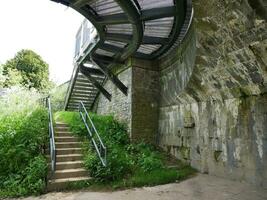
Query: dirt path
(201, 187)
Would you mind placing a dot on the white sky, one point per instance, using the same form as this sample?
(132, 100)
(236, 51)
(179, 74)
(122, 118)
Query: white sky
(43, 26)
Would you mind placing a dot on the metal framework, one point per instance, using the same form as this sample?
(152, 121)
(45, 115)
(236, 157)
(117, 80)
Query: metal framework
(145, 29)
(93, 134)
(52, 147)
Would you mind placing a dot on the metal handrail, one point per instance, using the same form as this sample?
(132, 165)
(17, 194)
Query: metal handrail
(93, 134)
(51, 136)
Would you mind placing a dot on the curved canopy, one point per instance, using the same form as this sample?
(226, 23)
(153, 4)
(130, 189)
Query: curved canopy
(140, 28)
(144, 29)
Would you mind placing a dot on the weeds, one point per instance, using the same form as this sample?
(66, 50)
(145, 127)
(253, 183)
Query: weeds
(23, 168)
(128, 165)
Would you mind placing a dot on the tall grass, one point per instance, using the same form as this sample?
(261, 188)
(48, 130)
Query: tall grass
(128, 164)
(18, 100)
(23, 133)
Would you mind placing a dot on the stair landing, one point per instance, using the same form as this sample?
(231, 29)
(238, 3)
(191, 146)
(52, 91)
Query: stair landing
(69, 168)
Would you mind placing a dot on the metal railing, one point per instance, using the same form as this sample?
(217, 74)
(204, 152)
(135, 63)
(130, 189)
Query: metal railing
(51, 136)
(93, 134)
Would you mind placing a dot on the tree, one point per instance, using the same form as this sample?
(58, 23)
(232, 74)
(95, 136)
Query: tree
(28, 69)
(2, 77)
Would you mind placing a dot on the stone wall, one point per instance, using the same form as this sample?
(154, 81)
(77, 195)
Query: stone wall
(120, 105)
(227, 139)
(176, 69)
(217, 121)
(206, 101)
(231, 52)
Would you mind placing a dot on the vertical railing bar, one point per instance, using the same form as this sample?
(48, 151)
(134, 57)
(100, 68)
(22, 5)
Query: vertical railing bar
(99, 146)
(51, 136)
(91, 122)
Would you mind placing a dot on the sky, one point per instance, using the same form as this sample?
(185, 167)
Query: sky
(43, 26)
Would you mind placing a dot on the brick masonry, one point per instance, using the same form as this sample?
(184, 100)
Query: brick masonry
(145, 102)
(139, 109)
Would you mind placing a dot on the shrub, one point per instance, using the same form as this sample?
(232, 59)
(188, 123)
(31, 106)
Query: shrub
(118, 164)
(18, 100)
(28, 181)
(22, 166)
(147, 157)
(123, 158)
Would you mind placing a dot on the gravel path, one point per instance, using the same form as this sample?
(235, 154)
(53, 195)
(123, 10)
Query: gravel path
(201, 187)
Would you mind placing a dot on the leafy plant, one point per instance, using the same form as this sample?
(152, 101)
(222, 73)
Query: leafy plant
(18, 100)
(28, 69)
(22, 166)
(127, 164)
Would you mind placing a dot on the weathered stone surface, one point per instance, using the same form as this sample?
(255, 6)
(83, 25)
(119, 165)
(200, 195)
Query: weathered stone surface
(206, 102)
(216, 121)
(228, 138)
(231, 38)
(120, 105)
(176, 69)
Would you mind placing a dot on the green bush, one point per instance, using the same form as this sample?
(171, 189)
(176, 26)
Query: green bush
(124, 160)
(18, 100)
(118, 166)
(22, 165)
(114, 136)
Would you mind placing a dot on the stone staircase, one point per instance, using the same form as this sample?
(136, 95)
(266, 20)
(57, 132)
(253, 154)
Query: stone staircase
(69, 167)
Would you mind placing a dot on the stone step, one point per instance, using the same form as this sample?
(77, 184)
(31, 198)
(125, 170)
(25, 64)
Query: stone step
(68, 145)
(66, 139)
(66, 151)
(61, 129)
(70, 157)
(70, 173)
(59, 184)
(69, 165)
(63, 134)
(59, 124)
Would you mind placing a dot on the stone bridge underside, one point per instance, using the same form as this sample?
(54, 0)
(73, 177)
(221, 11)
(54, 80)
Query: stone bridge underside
(204, 99)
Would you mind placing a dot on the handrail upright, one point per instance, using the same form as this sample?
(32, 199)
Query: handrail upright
(51, 136)
(97, 142)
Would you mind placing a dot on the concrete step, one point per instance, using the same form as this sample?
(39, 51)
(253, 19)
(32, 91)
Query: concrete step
(68, 145)
(66, 151)
(70, 157)
(63, 134)
(70, 173)
(61, 128)
(59, 124)
(66, 139)
(69, 165)
(59, 184)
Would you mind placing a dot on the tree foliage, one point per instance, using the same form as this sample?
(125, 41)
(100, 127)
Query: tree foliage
(2, 77)
(28, 69)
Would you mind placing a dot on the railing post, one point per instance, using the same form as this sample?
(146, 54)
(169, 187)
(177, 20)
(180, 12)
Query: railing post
(51, 136)
(93, 134)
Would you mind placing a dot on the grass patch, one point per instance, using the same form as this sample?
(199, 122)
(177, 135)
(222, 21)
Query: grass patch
(23, 133)
(23, 167)
(128, 165)
(154, 177)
